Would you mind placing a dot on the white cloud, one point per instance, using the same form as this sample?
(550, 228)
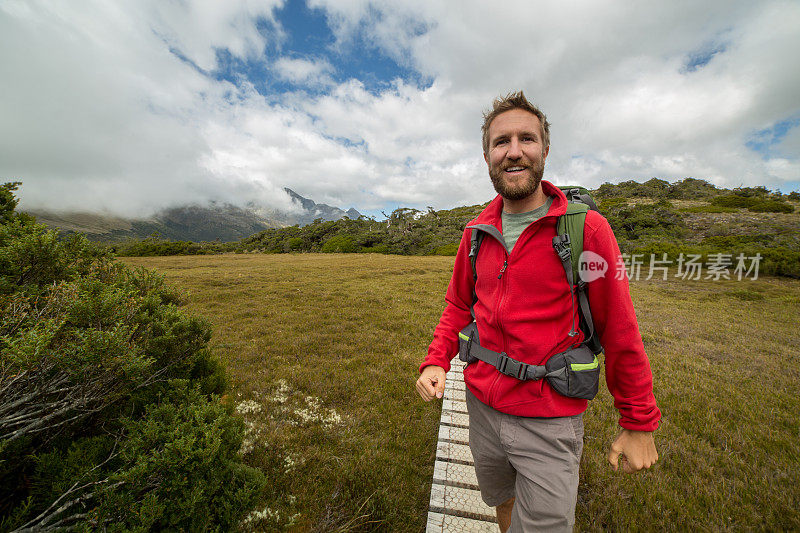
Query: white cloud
(115, 105)
(201, 27)
(296, 70)
(101, 115)
(609, 77)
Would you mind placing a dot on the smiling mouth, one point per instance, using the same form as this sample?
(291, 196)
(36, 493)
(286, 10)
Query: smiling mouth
(514, 169)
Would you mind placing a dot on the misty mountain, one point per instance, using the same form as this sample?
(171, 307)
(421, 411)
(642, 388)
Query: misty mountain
(224, 222)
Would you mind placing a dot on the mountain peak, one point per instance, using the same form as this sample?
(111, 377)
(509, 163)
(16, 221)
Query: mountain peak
(192, 222)
(307, 204)
(323, 211)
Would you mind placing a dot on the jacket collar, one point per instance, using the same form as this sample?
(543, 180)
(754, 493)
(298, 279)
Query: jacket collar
(493, 212)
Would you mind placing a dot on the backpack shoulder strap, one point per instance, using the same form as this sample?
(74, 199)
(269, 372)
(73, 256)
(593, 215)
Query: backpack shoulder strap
(475, 244)
(568, 244)
(571, 224)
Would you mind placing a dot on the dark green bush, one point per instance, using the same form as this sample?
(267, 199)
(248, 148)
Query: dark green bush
(692, 189)
(605, 204)
(733, 200)
(736, 241)
(639, 221)
(295, 244)
(105, 382)
(686, 189)
(154, 246)
(447, 249)
(772, 206)
(339, 244)
(754, 202)
(708, 208)
(377, 249)
(653, 188)
(192, 443)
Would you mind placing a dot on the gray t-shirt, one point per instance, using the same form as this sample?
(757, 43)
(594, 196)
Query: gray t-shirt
(515, 223)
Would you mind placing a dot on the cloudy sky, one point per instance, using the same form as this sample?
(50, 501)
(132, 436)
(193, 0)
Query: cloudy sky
(131, 106)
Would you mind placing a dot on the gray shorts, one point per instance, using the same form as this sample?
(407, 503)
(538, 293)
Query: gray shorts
(535, 460)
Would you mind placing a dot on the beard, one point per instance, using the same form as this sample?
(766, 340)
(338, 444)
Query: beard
(521, 190)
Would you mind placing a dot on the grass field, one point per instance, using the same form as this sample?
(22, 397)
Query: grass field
(323, 351)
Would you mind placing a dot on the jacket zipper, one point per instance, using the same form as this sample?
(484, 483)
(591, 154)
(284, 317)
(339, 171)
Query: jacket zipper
(503, 285)
(505, 265)
(493, 387)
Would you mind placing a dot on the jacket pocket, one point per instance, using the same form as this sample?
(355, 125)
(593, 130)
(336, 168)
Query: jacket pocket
(466, 337)
(574, 373)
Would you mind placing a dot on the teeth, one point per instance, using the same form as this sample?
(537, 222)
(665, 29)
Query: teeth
(514, 169)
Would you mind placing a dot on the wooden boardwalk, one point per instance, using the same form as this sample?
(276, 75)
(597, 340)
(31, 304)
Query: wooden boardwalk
(456, 503)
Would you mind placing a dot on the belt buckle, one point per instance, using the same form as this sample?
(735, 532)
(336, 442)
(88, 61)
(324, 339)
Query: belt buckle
(518, 369)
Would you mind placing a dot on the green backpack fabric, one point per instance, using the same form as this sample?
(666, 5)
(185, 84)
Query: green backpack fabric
(568, 244)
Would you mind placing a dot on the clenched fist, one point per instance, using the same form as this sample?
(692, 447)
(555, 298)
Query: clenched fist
(431, 382)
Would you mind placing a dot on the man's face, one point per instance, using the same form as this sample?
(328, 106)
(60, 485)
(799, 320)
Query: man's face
(516, 154)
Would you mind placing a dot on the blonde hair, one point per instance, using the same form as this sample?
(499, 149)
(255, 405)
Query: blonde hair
(511, 101)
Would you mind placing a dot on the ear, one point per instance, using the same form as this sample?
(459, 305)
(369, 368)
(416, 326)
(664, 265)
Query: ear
(486, 157)
(545, 153)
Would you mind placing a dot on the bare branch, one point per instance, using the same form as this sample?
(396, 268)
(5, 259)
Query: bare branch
(78, 492)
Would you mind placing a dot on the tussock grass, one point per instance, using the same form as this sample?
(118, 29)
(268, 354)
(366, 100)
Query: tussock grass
(323, 352)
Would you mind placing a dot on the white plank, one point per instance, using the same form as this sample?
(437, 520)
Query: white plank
(451, 393)
(460, 500)
(452, 405)
(459, 419)
(452, 473)
(440, 523)
(454, 452)
(454, 434)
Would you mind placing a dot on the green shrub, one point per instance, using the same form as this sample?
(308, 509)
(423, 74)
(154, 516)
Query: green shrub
(652, 188)
(294, 244)
(101, 373)
(779, 261)
(754, 201)
(447, 249)
(708, 208)
(339, 244)
(734, 200)
(692, 189)
(639, 221)
(752, 192)
(376, 249)
(609, 203)
(772, 206)
(731, 242)
(183, 453)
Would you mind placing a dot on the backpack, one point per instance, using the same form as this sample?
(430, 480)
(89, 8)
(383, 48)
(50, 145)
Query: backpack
(568, 245)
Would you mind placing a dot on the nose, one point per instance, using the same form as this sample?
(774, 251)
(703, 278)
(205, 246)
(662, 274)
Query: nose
(514, 149)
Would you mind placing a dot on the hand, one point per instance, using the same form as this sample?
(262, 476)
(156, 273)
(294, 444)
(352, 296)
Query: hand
(637, 448)
(431, 382)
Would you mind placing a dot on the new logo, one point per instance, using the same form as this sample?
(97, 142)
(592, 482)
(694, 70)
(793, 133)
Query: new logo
(591, 266)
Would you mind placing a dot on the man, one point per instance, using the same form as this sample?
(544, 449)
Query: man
(525, 437)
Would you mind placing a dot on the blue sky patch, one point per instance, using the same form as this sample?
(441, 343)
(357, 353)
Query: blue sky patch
(697, 59)
(308, 36)
(764, 141)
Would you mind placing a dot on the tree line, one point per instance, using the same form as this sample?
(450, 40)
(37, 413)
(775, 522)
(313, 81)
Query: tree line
(653, 226)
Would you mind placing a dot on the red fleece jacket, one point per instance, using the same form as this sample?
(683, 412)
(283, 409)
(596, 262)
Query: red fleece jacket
(527, 314)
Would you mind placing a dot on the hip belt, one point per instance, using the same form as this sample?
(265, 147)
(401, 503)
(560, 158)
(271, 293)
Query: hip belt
(574, 373)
